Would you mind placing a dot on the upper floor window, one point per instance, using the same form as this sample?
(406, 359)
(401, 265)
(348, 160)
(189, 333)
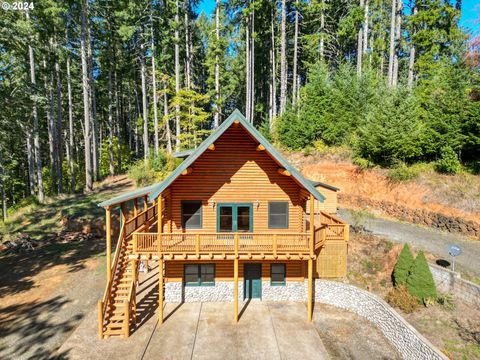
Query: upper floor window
(278, 215)
(192, 214)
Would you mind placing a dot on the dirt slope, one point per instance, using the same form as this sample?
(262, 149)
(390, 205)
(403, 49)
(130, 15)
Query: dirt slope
(457, 196)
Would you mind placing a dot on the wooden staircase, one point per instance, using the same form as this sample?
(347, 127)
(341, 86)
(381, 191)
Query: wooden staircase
(117, 309)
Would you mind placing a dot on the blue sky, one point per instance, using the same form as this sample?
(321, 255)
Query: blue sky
(470, 12)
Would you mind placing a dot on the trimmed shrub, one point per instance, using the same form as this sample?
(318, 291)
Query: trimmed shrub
(402, 299)
(403, 266)
(420, 281)
(448, 163)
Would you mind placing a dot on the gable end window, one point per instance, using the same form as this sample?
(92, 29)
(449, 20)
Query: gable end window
(277, 274)
(199, 274)
(278, 215)
(192, 214)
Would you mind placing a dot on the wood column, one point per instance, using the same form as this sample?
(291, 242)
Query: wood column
(135, 207)
(312, 223)
(124, 212)
(310, 289)
(108, 231)
(160, 290)
(235, 290)
(145, 203)
(160, 214)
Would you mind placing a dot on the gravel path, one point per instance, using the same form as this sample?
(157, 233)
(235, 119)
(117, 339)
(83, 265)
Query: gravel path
(433, 241)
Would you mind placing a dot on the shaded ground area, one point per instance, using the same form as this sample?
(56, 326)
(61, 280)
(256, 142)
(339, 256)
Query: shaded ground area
(45, 293)
(266, 330)
(420, 238)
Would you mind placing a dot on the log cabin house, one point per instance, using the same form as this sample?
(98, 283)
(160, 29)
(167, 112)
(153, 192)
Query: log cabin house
(233, 222)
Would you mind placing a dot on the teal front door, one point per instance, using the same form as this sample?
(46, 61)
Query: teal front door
(252, 285)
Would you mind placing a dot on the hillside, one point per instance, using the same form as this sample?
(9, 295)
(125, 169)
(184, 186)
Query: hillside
(453, 196)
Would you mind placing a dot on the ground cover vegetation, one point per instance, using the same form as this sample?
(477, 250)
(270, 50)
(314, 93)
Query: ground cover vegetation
(89, 88)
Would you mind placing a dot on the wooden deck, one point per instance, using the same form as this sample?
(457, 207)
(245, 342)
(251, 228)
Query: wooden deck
(201, 245)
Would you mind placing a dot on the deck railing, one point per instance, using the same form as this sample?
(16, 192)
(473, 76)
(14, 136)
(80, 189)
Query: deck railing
(196, 243)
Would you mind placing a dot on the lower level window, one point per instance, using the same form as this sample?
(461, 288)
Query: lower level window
(199, 274)
(277, 274)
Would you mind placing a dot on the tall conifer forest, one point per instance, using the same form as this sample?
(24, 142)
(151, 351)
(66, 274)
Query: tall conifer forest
(92, 88)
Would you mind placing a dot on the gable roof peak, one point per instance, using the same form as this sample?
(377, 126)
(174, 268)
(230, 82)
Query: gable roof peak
(236, 115)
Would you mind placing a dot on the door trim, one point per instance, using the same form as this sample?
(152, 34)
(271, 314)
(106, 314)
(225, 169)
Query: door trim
(234, 215)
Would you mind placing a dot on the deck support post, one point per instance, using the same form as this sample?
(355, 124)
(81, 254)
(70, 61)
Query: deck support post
(108, 230)
(160, 291)
(235, 290)
(145, 203)
(159, 217)
(310, 289)
(312, 224)
(135, 207)
(124, 212)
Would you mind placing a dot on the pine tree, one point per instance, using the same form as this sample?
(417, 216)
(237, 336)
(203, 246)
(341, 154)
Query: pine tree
(403, 266)
(420, 281)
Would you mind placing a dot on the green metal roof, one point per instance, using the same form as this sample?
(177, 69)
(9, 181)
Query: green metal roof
(183, 154)
(318, 183)
(127, 196)
(236, 115)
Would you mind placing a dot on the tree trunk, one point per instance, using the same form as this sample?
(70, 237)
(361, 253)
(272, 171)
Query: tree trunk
(154, 90)
(247, 68)
(58, 128)
(188, 82)
(392, 42)
(93, 103)
(36, 136)
(397, 41)
(177, 79)
(217, 67)
(167, 119)
(411, 62)
(252, 69)
(86, 99)
(283, 60)
(365, 29)
(2, 189)
(143, 74)
(110, 123)
(50, 111)
(273, 96)
(70, 128)
(30, 161)
(360, 44)
(322, 31)
(295, 55)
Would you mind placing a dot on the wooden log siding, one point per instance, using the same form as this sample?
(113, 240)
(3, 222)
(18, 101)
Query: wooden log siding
(235, 172)
(174, 270)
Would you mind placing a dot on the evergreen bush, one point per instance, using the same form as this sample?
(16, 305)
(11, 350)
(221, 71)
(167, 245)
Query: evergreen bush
(420, 281)
(403, 266)
(401, 298)
(448, 163)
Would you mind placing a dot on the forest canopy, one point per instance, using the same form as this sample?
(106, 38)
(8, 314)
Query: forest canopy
(93, 88)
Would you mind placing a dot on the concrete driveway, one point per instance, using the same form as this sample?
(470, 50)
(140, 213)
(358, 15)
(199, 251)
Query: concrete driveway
(205, 331)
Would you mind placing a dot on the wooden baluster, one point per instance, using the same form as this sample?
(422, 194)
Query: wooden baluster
(197, 245)
(235, 241)
(275, 246)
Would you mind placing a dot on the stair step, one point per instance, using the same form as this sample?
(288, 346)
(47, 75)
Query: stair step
(114, 332)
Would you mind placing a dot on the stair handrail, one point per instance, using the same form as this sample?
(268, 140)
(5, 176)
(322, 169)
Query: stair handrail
(121, 238)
